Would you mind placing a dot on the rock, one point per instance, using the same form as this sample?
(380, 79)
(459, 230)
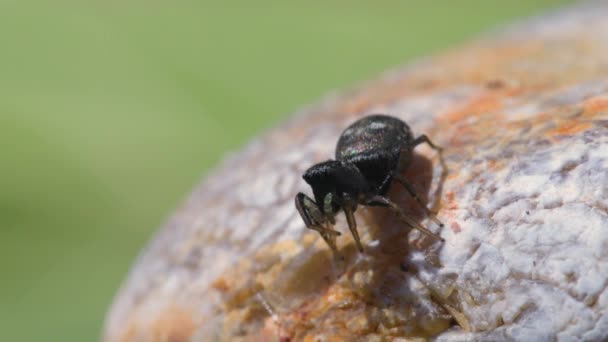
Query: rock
(523, 118)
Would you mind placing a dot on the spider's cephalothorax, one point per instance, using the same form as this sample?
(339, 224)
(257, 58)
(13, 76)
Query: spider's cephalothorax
(370, 154)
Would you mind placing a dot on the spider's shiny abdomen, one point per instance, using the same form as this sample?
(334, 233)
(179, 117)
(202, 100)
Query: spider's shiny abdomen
(372, 134)
(375, 144)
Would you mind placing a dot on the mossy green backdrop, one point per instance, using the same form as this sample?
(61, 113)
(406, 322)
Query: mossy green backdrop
(111, 111)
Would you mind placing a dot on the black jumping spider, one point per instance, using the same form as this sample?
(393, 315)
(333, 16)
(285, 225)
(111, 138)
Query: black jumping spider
(369, 155)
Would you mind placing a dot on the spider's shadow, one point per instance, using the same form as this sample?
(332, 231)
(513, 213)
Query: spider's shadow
(387, 228)
(388, 257)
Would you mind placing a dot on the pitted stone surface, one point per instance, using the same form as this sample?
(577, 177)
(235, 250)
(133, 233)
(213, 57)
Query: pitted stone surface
(523, 118)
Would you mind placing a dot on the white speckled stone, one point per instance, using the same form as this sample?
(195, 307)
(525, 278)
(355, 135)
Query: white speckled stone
(523, 118)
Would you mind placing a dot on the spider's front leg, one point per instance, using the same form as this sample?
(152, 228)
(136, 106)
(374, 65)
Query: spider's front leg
(349, 206)
(382, 201)
(315, 219)
(410, 188)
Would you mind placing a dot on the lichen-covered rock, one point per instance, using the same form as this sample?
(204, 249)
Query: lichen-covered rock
(523, 190)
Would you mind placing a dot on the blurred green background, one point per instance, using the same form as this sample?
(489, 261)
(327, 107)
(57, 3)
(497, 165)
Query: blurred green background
(110, 112)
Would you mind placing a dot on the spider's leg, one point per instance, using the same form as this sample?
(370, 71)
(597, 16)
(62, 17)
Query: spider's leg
(424, 139)
(316, 220)
(385, 202)
(413, 193)
(349, 207)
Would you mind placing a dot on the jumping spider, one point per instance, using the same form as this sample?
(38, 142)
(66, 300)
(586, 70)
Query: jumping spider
(369, 155)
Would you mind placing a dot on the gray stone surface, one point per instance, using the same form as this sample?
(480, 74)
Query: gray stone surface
(523, 117)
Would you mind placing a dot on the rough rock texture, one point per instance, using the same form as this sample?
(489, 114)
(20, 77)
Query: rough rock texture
(523, 118)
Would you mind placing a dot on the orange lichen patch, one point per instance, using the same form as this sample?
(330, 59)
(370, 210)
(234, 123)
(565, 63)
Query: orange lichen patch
(220, 284)
(341, 323)
(339, 296)
(486, 102)
(494, 165)
(478, 64)
(287, 246)
(596, 104)
(515, 91)
(354, 307)
(452, 176)
(450, 202)
(461, 136)
(570, 128)
(174, 325)
(242, 293)
(271, 330)
(325, 337)
(450, 196)
(236, 290)
(334, 308)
